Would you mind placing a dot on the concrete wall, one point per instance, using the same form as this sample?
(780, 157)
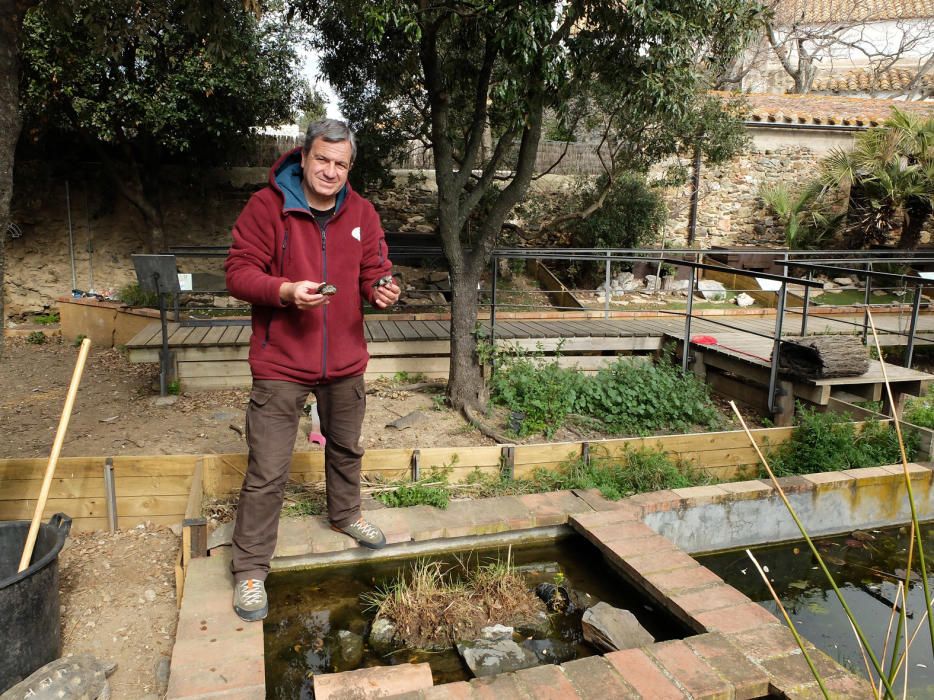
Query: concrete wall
(826, 504)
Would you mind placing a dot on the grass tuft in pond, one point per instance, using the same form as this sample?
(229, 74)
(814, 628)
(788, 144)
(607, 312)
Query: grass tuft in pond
(434, 605)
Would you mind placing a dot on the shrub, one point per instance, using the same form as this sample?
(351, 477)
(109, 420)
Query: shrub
(824, 442)
(920, 411)
(539, 392)
(416, 494)
(640, 398)
(132, 295)
(36, 338)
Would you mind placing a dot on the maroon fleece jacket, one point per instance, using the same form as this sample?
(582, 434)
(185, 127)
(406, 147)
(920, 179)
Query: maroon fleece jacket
(276, 240)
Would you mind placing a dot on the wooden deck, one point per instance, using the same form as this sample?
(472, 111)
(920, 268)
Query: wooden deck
(215, 357)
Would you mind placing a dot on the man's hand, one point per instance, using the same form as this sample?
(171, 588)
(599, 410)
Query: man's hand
(386, 295)
(303, 294)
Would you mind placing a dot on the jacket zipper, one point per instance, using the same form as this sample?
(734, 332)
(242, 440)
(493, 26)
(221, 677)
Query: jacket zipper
(285, 244)
(324, 267)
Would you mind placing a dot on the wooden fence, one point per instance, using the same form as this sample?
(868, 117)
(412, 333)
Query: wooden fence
(159, 488)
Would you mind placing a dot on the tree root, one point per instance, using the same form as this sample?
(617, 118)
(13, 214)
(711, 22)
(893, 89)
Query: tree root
(484, 427)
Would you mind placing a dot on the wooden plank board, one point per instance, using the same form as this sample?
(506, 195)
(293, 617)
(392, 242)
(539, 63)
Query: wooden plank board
(376, 331)
(89, 487)
(97, 507)
(442, 331)
(153, 330)
(392, 330)
(213, 335)
(93, 467)
(415, 347)
(124, 523)
(424, 332)
(204, 353)
(218, 383)
(197, 335)
(469, 457)
(408, 330)
(229, 336)
(179, 336)
(188, 370)
(243, 337)
(412, 365)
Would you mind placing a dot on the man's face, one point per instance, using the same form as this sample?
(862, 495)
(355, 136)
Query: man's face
(325, 168)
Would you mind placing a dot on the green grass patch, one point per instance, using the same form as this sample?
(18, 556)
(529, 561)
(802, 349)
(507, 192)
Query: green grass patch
(845, 297)
(920, 410)
(826, 442)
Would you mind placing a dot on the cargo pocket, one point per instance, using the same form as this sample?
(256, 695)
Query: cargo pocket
(258, 398)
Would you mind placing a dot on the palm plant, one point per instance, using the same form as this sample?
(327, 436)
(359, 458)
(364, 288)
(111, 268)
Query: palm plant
(809, 221)
(888, 179)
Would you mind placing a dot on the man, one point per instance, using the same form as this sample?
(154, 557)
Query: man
(307, 251)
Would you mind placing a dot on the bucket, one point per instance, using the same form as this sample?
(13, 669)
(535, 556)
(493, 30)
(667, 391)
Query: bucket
(31, 632)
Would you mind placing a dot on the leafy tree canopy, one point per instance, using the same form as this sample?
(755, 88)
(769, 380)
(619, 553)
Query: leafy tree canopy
(474, 79)
(146, 82)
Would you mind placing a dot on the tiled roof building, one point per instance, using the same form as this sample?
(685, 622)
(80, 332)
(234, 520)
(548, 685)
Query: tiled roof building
(826, 109)
(823, 11)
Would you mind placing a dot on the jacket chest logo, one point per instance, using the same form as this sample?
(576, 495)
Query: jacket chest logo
(356, 233)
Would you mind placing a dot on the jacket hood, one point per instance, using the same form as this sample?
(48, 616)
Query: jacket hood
(286, 178)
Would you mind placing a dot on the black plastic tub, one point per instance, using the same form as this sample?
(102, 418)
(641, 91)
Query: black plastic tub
(31, 627)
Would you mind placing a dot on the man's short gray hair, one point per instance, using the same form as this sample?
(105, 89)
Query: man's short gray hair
(333, 131)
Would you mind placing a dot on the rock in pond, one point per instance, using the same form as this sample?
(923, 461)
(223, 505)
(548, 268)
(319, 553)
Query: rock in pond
(612, 629)
(382, 635)
(487, 657)
(350, 648)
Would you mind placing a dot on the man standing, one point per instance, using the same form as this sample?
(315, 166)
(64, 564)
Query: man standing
(307, 250)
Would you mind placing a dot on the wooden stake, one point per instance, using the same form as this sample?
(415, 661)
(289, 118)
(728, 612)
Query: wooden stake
(53, 458)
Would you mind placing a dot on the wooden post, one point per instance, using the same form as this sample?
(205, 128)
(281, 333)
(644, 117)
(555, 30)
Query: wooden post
(585, 453)
(508, 460)
(416, 465)
(195, 525)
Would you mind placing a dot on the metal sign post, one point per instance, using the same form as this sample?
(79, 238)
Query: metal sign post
(158, 274)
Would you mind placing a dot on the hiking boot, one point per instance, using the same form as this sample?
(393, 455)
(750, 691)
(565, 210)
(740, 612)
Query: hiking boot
(366, 534)
(249, 601)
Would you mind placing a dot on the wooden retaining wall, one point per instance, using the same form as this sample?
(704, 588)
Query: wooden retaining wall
(159, 488)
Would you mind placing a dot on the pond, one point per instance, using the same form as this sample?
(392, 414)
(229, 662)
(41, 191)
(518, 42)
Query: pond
(308, 610)
(866, 566)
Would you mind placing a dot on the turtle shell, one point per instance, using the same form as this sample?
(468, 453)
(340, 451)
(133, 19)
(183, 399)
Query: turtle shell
(328, 290)
(80, 677)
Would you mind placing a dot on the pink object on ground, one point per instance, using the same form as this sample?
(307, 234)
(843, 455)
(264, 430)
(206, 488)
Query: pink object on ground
(317, 438)
(704, 339)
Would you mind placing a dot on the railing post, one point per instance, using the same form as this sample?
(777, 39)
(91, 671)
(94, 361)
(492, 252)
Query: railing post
(915, 309)
(776, 346)
(807, 303)
(686, 347)
(606, 287)
(493, 314)
(868, 289)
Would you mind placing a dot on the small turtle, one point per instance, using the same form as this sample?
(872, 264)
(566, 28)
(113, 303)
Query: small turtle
(326, 289)
(80, 677)
(383, 282)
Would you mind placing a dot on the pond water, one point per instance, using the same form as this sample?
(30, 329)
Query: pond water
(866, 566)
(309, 608)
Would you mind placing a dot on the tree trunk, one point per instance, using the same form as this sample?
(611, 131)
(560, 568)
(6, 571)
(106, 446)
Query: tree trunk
(127, 179)
(11, 25)
(466, 387)
(917, 212)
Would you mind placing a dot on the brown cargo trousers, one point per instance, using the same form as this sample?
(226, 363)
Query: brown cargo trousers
(272, 418)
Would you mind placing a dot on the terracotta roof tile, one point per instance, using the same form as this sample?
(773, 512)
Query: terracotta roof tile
(825, 109)
(821, 11)
(893, 80)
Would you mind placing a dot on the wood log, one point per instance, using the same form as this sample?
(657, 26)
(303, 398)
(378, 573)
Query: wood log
(823, 357)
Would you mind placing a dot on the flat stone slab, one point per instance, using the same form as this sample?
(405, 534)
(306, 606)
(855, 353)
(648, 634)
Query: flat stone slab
(377, 682)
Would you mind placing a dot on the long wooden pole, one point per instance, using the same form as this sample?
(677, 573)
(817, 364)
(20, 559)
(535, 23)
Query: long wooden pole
(53, 458)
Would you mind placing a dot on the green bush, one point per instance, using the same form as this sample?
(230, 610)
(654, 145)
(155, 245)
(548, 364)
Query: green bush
(825, 442)
(625, 398)
(639, 398)
(920, 411)
(47, 319)
(541, 393)
(36, 338)
(632, 216)
(132, 295)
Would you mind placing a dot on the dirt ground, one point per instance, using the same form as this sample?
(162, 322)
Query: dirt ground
(118, 589)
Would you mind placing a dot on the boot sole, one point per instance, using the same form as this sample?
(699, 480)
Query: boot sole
(252, 615)
(362, 543)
